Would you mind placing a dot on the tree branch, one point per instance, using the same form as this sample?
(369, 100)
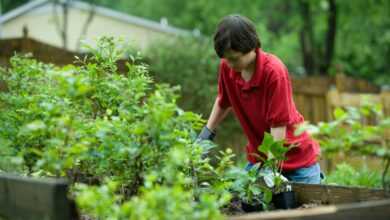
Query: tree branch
(61, 28)
(86, 25)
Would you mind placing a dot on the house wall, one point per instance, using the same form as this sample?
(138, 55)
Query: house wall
(41, 26)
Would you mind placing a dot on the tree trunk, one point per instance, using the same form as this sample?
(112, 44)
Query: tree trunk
(330, 37)
(317, 60)
(307, 38)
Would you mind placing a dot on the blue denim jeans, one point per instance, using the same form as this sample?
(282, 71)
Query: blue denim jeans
(311, 174)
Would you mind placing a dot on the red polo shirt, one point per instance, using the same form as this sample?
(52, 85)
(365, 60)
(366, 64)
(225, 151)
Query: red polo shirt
(263, 102)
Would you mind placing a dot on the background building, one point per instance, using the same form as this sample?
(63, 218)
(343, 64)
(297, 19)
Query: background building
(65, 24)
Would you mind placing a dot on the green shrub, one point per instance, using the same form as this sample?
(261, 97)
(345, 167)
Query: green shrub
(345, 174)
(120, 139)
(347, 133)
(128, 150)
(192, 64)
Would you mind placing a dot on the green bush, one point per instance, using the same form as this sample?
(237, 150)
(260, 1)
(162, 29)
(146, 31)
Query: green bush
(347, 133)
(192, 64)
(346, 175)
(127, 149)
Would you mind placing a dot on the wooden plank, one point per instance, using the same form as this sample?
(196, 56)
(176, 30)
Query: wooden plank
(340, 82)
(299, 103)
(354, 85)
(385, 96)
(324, 113)
(319, 110)
(347, 203)
(349, 99)
(332, 194)
(30, 198)
(43, 52)
(313, 91)
(315, 86)
(378, 210)
(309, 105)
(333, 101)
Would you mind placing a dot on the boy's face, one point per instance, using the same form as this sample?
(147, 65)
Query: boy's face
(239, 61)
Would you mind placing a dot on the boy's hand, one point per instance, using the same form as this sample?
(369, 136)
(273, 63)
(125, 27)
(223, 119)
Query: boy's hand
(206, 134)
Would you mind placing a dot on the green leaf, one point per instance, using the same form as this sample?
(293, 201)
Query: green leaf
(265, 146)
(339, 113)
(267, 195)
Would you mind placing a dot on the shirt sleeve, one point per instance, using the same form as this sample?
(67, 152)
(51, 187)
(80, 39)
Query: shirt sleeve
(223, 99)
(280, 101)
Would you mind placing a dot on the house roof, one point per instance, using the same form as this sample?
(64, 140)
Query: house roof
(30, 6)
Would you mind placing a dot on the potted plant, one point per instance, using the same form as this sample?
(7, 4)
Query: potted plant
(282, 195)
(249, 190)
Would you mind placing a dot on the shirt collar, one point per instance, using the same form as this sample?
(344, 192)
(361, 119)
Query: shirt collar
(257, 75)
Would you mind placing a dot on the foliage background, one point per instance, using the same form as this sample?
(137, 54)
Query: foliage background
(361, 46)
(362, 28)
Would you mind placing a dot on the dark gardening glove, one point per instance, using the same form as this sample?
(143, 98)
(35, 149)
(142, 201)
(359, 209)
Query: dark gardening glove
(206, 134)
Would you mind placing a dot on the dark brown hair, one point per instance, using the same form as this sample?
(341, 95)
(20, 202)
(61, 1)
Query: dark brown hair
(237, 33)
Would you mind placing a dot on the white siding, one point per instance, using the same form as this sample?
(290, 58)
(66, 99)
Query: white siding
(41, 26)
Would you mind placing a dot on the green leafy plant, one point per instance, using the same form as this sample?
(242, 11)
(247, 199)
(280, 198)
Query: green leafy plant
(257, 185)
(249, 189)
(119, 137)
(165, 195)
(345, 174)
(274, 152)
(348, 133)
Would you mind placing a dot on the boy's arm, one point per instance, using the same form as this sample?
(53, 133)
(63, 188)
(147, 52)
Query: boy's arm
(217, 115)
(278, 133)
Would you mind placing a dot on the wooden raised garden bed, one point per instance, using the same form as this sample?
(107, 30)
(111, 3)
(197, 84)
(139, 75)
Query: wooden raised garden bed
(23, 198)
(26, 198)
(317, 201)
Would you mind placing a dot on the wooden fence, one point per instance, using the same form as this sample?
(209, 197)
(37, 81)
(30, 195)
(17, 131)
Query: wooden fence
(42, 52)
(310, 97)
(317, 97)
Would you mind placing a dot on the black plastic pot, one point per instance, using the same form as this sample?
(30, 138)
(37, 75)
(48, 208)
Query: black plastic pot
(251, 207)
(284, 200)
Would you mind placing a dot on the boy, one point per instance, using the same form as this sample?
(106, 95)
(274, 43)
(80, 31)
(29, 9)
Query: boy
(255, 85)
